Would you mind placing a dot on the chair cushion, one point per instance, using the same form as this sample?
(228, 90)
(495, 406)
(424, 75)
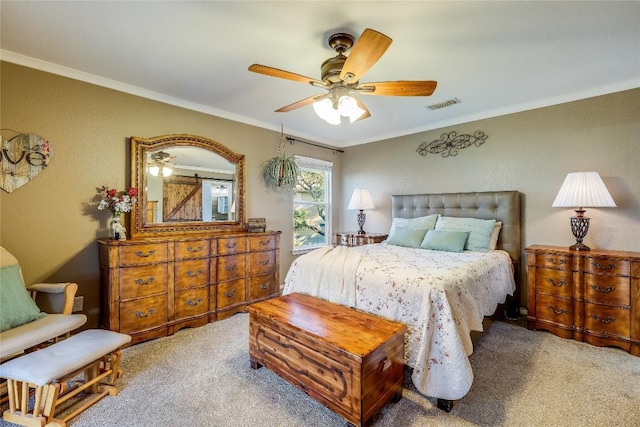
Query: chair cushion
(16, 305)
(54, 362)
(33, 333)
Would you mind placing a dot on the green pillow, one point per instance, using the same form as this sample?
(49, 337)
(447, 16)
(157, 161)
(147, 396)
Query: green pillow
(479, 230)
(16, 306)
(408, 237)
(441, 240)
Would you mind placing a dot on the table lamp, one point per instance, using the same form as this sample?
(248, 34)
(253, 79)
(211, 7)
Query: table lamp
(582, 189)
(361, 200)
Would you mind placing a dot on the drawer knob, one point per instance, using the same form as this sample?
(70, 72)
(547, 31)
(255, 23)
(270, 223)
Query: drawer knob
(230, 245)
(230, 267)
(142, 282)
(603, 290)
(192, 249)
(192, 274)
(147, 314)
(603, 267)
(609, 319)
(559, 311)
(230, 294)
(148, 254)
(192, 302)
(264, 242)
(264, 286)
(554, 283)
(263, 262)
(560, 261)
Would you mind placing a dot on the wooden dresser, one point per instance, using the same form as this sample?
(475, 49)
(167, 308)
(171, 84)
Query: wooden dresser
(591, 296)
(153, 287)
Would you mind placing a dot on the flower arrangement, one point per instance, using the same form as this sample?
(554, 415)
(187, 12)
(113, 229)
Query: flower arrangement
(117, 201)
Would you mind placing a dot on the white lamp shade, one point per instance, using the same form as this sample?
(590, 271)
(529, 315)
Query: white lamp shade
(583, 189)
(360, 199)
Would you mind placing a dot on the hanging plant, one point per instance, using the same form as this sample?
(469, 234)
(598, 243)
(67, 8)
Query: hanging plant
(281, 172)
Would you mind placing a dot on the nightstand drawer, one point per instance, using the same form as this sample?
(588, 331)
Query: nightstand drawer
(607, 266)
(551, 260)
(612, 290)
(556, 310)
(605, 320)
(554, 282)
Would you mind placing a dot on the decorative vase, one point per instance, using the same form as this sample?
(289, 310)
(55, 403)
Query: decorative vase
(115, 227)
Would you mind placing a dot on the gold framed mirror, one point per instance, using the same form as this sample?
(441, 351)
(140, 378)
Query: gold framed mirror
(186, 184)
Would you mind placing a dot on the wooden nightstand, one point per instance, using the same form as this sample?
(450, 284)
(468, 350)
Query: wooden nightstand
(591, 296)
(352, 238)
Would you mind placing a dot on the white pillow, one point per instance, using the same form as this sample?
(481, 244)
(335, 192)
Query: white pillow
(493, 241)
(424, 222)
(479, 230)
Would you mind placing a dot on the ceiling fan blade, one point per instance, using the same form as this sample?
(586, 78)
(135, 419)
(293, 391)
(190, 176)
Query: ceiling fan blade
(398, 88)
(365, 52)
(275, 72)
(366, 113)
(299, 104)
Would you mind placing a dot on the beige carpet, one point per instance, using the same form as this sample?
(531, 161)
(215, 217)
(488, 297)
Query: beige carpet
(201, 377)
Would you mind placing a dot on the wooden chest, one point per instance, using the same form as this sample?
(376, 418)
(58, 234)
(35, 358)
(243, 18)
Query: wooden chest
(350, 361)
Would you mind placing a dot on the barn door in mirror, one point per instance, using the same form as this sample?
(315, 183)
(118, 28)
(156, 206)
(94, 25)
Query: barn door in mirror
(187, 184)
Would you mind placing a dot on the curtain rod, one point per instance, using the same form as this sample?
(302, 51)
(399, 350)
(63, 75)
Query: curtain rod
(292, 140)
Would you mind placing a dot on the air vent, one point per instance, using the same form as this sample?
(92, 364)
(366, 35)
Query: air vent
(443, 104)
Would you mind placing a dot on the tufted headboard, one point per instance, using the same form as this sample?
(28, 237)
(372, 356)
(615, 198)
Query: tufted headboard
(499, 205)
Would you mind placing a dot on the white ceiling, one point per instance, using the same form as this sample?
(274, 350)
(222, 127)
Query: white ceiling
(495, 57)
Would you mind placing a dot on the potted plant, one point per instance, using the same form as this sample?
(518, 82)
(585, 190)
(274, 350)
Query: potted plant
(281, 172)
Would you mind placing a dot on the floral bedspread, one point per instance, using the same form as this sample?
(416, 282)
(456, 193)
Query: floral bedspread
(440, 296)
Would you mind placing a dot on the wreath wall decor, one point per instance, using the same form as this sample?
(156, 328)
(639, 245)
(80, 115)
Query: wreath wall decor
(450, 143)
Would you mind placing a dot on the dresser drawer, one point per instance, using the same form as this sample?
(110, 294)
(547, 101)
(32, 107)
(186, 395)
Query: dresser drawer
(191, 302)
(142, 254)
(554, 282)
(612, 290)
(142, 314)
(230, 294)
(262, 243)
(231, 267)
(232, 245)
(552, 260)
(607, 266)
(191, 273)
(143, 280)
(556, 310)
(606, 320)
(192, 249)
(262, 286)
(262, 262)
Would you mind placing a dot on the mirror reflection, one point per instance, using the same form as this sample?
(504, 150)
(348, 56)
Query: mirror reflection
(189, 184)
(186, 184)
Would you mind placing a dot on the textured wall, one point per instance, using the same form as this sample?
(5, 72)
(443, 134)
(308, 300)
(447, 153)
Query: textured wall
(51, 224)
(530, 152)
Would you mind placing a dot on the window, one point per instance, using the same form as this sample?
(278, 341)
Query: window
(312, 205)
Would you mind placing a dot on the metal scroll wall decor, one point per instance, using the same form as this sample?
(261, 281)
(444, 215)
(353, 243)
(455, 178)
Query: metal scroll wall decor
(22, 158)
(450, 143)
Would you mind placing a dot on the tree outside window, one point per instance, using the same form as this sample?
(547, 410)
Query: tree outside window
(311, 204)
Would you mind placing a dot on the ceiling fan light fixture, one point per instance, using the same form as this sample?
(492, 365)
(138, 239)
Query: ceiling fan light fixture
(325, 110)
(156, 169)
(348, 107)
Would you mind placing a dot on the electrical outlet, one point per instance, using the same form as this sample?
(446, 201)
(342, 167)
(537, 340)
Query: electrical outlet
(78, 304)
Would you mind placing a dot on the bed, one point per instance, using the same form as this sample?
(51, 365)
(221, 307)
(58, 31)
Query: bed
(441, 295)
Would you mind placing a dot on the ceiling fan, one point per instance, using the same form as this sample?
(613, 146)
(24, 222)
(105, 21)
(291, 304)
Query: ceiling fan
(340, 76)
(159, 163)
